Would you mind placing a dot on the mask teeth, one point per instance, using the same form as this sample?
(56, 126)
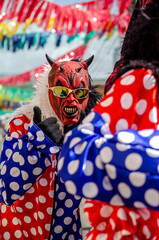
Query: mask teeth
(70, 110)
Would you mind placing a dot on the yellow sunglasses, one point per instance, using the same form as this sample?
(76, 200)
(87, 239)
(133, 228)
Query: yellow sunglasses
(64, 92)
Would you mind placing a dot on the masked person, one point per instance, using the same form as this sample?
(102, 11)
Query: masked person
(34, 201)
(112, 157)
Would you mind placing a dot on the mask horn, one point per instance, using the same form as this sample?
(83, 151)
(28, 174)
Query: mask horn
(89, 60)
(50, 60)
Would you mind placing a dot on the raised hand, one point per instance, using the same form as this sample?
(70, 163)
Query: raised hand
(49, 126)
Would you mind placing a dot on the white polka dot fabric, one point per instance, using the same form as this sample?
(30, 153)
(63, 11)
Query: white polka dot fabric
(66, 221)
(20, 165)
(125, 159)
(31, 208)
(118, 164)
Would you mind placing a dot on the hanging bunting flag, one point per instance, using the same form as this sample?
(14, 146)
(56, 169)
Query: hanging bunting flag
(16, 79)
(19, 41)
(123, 5)
(43, 38)
(85, 17)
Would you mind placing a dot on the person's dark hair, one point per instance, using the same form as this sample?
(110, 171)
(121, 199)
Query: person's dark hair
(141, 39)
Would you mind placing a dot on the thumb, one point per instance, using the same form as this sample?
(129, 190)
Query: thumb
(37, 115)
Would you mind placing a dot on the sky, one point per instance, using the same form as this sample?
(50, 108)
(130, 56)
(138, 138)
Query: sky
(67, 2)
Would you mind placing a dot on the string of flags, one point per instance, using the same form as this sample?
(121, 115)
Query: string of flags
(89, 16)
(17, 16)
(20, 41)
(38, 40)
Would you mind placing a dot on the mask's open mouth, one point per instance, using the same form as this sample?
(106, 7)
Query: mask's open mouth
(70, 111)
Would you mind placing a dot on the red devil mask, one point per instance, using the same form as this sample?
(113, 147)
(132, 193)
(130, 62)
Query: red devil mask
(69, 88)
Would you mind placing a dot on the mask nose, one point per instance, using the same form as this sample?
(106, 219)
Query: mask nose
(71, 96)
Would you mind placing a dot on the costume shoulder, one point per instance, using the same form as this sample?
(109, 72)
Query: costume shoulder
(132, 66)
(133, 94)
(19, 126)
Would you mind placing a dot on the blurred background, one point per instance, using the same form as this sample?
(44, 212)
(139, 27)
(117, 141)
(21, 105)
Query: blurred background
(78, 28)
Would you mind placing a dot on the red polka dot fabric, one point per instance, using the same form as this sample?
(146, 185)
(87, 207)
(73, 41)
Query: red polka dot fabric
(120, 223)
(127, 104)
(131, 103)
(30, 216)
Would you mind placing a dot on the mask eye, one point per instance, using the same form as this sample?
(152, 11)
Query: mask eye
(81, 85)
(62, 69)
(59, 83)
(81, 93)
(79, 69)
(60, 91)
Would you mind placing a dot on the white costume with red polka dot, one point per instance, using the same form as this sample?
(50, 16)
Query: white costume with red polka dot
(114, 154)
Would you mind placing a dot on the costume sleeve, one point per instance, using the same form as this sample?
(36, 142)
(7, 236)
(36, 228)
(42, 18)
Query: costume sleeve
(121, 169)
(24, 159)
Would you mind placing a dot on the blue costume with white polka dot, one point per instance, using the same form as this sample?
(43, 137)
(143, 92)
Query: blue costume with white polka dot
(121, 169)
(35, 156)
